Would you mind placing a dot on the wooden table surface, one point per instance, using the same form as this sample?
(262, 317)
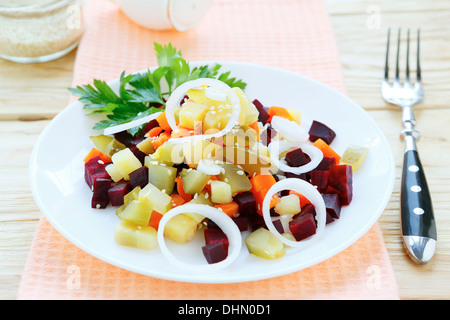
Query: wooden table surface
(31, 95)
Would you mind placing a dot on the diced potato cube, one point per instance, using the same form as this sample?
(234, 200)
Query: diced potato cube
(202, 198)
(161, 201)
(138, 211)
(220, 192)
(197, 95)
(288, 205)
(113, 172)
(132, 235)
(296, 115)
(146, 146)
(264, 244)
(249, 114)
(194, 181)
(181, 229)
(190, 113)
(126, 162)
(354, 156)
(217, 119)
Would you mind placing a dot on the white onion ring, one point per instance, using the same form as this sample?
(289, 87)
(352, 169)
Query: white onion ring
(276, 147)
(132, 124)
(227, 225)
(290, 130)
(310, 192)
(179, 93)
(208, 166)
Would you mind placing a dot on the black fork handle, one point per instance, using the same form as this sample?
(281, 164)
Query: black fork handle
(417, 215)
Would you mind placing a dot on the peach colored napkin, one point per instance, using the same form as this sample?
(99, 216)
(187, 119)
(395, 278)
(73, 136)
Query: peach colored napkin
(289, 34)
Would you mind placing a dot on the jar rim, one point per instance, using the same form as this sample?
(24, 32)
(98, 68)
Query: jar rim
(36, 8)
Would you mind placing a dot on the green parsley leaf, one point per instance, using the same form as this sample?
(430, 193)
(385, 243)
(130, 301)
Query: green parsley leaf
(140, 93)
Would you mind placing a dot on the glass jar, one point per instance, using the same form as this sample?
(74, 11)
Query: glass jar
(39, 30)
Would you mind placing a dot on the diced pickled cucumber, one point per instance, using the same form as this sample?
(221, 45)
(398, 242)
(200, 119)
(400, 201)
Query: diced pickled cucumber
(200, 149)
(249, 160)
(101, 142)
(161, 201)
(243, 136)
(162, 176)
(130, 196)
(354, 156)
(220, 192)
(194, 181)
(264, 244)
(169, 153)
(181, 229)
(235, 177)
(138, 211)
(106, 144)
(132, 235)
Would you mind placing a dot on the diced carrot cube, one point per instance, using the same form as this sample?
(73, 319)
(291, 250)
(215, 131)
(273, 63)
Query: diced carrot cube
(162, 121)
(327, 150)
(94, 153)
(280, 112)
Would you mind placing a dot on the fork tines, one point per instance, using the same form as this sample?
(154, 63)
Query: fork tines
(397, 64)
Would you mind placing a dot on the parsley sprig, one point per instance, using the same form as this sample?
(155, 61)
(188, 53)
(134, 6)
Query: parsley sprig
(145, 93)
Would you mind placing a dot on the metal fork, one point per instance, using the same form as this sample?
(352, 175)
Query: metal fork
(417, 217)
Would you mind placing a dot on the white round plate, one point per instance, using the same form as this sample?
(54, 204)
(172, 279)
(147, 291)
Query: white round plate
(57, 182)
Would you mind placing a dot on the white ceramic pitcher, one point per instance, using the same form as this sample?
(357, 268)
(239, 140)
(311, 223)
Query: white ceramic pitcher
(181, 15)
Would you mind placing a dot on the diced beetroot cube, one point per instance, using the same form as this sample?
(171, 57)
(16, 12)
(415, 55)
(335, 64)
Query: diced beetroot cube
(332, 205)
(325, 164)
(304, 176)
(246, 202)
(94, 169)
(267, 135)
(297, 158)
(278, 225)
(100, 197)
(242, 223)
(303, 227)
(256, 222)
(139, 154)
(263, 115)
(330, 219)
(320, 131)
(320, 179)
(215, 252)
(214, 235)
(341, 179)
(307, 209)
(139, 177)
(117, 192)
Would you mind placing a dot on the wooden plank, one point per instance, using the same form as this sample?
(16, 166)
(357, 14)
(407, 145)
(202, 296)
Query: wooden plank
(30, 92)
